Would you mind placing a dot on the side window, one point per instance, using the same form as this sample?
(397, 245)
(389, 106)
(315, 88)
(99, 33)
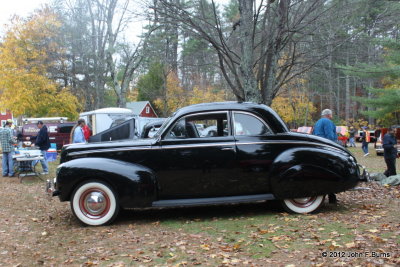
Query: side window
(200, 126)
(177, 131)
(249, 125)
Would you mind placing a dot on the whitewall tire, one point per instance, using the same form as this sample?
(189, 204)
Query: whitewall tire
(303, 205)
(94, 203)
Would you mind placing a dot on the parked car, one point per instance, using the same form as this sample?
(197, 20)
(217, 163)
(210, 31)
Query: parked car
(200, 127)
(343, 135)
(252, 158)
(209, 131)
(379, 147)
(305, 129)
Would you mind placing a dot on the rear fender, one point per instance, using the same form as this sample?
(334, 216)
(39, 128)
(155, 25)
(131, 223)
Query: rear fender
(134, 183)
(304, 172)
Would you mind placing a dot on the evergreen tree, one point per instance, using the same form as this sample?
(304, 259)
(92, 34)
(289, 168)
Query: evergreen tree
(384, 101)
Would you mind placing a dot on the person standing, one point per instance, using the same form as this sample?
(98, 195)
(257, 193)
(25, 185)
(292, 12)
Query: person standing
(7, 141)
(86, 132)
(352, 134)
(390, 151)
(366, 138)
(325, 128)
(77, 134)
(43, 142)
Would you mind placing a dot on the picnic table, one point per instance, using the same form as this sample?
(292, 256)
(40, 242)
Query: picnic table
(25, 163)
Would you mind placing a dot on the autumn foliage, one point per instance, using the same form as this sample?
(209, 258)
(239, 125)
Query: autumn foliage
(176, 97)
(295, 108)
(26, 54)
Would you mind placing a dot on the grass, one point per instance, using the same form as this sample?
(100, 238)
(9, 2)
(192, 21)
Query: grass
(261, 235)
(37, 232)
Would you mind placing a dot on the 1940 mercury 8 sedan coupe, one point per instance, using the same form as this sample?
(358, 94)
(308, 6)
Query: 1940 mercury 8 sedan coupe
(252, 156)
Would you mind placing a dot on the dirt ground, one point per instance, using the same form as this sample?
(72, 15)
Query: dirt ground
(363, 229)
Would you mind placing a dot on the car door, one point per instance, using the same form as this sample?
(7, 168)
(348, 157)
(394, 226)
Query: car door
(196, 164)
(255, 152)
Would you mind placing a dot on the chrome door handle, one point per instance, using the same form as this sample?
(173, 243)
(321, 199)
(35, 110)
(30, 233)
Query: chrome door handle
(228, 149)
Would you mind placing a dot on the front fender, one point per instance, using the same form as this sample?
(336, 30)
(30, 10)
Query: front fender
(303, 172)
(134, 184)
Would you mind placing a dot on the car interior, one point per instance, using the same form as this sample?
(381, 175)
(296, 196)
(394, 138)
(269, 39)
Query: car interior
(217, 125)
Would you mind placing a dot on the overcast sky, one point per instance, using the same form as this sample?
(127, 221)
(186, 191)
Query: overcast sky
(21, 8)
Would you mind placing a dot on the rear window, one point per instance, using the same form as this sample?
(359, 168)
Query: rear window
(65, 129)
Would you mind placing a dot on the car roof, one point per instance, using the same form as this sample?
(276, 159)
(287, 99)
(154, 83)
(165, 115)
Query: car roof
(260, 109)
(231, 105)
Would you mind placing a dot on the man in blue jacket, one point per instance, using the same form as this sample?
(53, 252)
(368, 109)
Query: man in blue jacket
(390, 151)
(43, 142)
(325, 127)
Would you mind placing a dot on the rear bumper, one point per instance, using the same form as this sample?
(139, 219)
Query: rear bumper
(364, 174)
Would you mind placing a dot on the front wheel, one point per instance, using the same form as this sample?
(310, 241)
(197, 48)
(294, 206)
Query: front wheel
(303, 205)
(94, 203)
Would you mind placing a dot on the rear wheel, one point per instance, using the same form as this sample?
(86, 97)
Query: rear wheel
(94, 203)
(303, 205)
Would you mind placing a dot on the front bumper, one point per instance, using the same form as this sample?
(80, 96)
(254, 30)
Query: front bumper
(51, 188)
(364, 177)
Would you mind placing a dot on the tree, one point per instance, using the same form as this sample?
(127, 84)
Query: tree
(383, 102)
(294, 105)
(176, 96)
(249, 49)
(149, 85)
(25, 58)
(99, 58)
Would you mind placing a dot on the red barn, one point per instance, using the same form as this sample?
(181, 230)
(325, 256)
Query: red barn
(4, 116)
(142, 109)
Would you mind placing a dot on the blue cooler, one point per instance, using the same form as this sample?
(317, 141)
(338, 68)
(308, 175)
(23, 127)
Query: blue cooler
(51, 154)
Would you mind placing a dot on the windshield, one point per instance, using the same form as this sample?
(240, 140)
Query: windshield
(163, 126)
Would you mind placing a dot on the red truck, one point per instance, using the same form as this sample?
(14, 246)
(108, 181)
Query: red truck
(59, 131)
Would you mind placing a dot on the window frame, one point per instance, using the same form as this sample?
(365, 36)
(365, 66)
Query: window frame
(271, 132)
(229, 124)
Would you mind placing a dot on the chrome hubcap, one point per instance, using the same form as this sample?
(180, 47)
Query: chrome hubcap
(303, 200)
(95, 203)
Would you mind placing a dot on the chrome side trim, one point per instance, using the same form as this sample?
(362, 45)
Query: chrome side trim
(108, 150)
(198, 145)
(105, 150)
(287, 142)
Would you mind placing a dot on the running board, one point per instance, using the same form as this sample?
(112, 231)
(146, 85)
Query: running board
(211, 200)
(359, 188)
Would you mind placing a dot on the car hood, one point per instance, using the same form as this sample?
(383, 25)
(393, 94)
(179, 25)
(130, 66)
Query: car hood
(119, 144)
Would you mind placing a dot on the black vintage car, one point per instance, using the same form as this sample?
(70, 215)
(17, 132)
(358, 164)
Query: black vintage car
(252, 157)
